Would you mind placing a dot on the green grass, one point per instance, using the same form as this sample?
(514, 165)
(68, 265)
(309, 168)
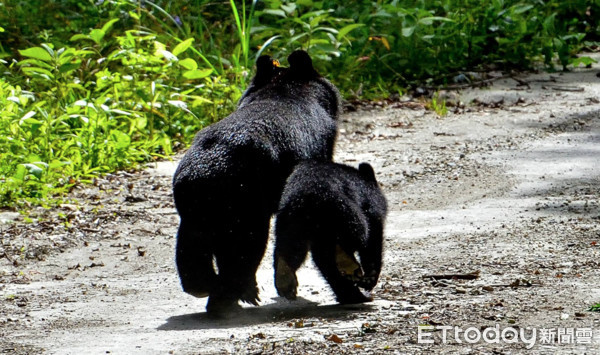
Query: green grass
(89, 87)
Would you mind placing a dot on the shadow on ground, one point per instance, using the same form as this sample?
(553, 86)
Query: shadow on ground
(281, 310)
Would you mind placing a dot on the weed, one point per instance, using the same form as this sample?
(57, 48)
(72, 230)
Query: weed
(438, 106)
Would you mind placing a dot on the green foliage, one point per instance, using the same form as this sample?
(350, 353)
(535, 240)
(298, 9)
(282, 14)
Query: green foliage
(595, 308)
(286, 26)
(93, 108)
(97, 85)
(406, 42)
(438, 106)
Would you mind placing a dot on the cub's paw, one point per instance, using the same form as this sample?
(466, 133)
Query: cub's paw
(368, 281)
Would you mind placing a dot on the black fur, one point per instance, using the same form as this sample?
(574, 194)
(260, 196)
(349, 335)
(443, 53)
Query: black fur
(332, 210)
(229, 182)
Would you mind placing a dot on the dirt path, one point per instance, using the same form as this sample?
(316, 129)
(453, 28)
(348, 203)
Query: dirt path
(506, 186)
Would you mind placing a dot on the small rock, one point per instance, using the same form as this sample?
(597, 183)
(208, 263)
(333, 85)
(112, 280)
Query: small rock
(141, 251)
(334, 338)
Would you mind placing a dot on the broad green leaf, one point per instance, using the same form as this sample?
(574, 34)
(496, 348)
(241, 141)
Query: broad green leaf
(548, 23)
(259, 29)
(35, 62)
(141, 122)
(327, 48)
(48, 48)
(20, 173)
(82, 53)
(120, 112)
(65, 68)
(275, 12)
(519, 9)
(30, 121)
(315, 41)
(182, 47)
(14, 99)
(58, 164)
(134, 15)
(326, 29)
(79, 36)
(316, 20)
(159, 47)
(408, 31)
(168, 56)
(34, 170)
(37, 53)
(39, 71)
(97, 35)
(197, 73)
(583, 60)
(108, 26)
(121, 139)
(188, 63)
(346, 29)
(429, 20)
(66, 56)
(178, 103)
(297, 37)
(289, 8)
(199, 101)
(27, 116)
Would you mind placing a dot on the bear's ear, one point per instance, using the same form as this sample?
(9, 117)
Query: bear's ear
(264, 69)
(301, 64)
(365, 170)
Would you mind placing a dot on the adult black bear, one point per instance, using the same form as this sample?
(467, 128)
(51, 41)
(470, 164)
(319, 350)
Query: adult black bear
(334, 211)
(229, 182)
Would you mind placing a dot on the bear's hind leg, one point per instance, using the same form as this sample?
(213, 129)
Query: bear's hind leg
(238, 257)
(194, 259)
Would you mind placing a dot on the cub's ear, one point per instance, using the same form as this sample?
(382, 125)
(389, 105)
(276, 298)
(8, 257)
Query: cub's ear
(365, 170)
(301, 64)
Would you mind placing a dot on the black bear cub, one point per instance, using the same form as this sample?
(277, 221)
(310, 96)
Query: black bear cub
(335, 211)
(229, 182)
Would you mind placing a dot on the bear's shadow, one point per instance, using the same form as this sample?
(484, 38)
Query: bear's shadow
(281, 310)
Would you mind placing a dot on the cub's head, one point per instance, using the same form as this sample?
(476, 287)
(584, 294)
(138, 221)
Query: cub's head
(361, 261)
(300, 80)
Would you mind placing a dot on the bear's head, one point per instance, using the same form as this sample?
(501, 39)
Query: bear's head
(267, 73)
(300, 80)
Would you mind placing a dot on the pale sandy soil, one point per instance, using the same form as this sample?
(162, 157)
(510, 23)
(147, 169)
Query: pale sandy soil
(507, 185)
